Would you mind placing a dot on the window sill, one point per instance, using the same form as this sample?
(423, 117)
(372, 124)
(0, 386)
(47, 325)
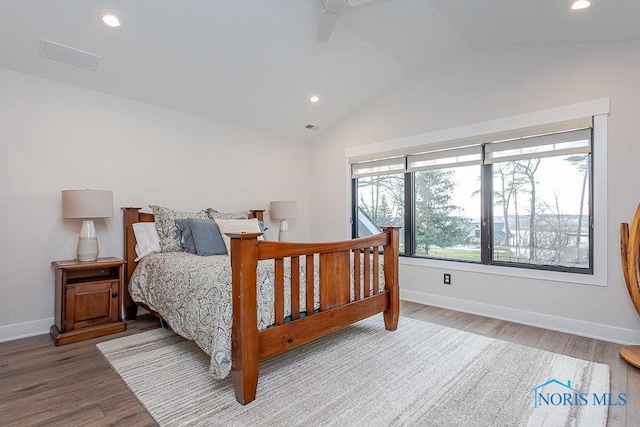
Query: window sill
(553, 276)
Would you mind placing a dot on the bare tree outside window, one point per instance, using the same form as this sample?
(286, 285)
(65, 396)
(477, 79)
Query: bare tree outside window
(380, 203)
(543, 216)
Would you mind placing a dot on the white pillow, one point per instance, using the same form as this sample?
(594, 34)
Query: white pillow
(147, 239)
(237, 226)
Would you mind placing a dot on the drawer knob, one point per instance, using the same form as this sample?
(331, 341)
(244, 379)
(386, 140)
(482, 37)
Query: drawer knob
(114, 295)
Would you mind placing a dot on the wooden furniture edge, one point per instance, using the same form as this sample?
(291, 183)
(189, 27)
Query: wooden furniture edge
(60, 338)
(79, 265)
(630, 257)
(249, 345)
(631, 354)
(131, 215)
(278, 339)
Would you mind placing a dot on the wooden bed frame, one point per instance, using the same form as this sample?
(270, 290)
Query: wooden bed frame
(250, 345)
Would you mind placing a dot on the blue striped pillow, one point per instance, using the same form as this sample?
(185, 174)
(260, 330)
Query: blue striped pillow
(207, 237)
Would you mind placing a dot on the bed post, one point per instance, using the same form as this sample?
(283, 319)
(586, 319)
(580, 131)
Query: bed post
(257, 213)
(244, 335)
(130, 217)
(391, 278)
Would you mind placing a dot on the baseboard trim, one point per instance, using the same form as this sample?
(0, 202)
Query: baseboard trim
(546, 321)
(26, 329)
(555, 323)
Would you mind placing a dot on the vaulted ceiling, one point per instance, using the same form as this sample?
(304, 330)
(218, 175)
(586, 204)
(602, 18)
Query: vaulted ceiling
(256, 62)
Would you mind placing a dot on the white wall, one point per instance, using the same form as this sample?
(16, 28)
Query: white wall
(55, 136)
(489, 85)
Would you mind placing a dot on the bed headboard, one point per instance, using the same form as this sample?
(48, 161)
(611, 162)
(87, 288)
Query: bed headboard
(131, 215)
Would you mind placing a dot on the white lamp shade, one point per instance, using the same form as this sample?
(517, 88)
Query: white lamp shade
(87, 204)
(283, 209)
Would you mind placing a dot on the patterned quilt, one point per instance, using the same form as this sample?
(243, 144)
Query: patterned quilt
(193, 294)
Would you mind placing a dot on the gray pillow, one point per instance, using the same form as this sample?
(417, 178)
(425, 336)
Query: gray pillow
(187, 237)
(263, 229)
(207, 237)
(165, 219)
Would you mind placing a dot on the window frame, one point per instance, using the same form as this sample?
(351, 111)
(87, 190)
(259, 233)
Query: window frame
(353, 221)
(487, 217)
(598, 110)
(411, 231)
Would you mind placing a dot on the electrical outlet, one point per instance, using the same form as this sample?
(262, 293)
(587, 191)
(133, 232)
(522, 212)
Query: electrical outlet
(447, 278)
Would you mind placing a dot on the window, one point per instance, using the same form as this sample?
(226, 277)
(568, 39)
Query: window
(520, 198)
(540, 200)
(541, 213)
(379, 202)
(446, 213)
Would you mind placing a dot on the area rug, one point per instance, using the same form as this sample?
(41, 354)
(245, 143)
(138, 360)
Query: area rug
(422, 374)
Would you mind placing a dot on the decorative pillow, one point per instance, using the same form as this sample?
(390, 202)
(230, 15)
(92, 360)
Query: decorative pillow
(264, 229)
(214, 214)
(167, 228)
(147, 239)
(187, 237)
(206, 236)
(237, 226)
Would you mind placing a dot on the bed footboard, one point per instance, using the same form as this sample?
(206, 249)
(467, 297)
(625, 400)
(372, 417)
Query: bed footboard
(249, 345)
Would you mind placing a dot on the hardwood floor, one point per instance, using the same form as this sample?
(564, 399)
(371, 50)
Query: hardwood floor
(72, 385)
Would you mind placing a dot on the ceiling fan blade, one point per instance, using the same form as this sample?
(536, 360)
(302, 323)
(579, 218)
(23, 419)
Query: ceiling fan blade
(327, 23)
(355, 5)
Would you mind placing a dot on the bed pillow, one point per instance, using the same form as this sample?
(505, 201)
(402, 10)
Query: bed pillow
(168, 230)
(206, 236)
(214, 214)
(187, 237)
(263, 229)
(147, 239)
(237, 226)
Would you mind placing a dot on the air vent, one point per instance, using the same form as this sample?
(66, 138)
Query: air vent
(51, 50)
(312, 127)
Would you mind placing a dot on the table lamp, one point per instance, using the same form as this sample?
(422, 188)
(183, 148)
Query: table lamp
(282, 210)
(87, 204)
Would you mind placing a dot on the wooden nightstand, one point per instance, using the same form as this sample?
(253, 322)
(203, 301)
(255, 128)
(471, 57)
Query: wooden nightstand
(88, 299)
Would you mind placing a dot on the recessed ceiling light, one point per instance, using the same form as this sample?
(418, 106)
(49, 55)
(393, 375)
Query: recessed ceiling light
(111, 19)
(314, 98)
(580, 4)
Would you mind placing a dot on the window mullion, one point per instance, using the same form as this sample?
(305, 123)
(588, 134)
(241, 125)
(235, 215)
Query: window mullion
(409, 214)
(486, 222)
(354, 208)
(591, 213)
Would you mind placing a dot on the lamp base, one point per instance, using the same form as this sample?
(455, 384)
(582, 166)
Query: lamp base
(284, 231)
(88, 242)
(87, 250)
(283, 236)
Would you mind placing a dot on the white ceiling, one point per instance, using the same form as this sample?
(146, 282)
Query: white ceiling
(256, 62)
